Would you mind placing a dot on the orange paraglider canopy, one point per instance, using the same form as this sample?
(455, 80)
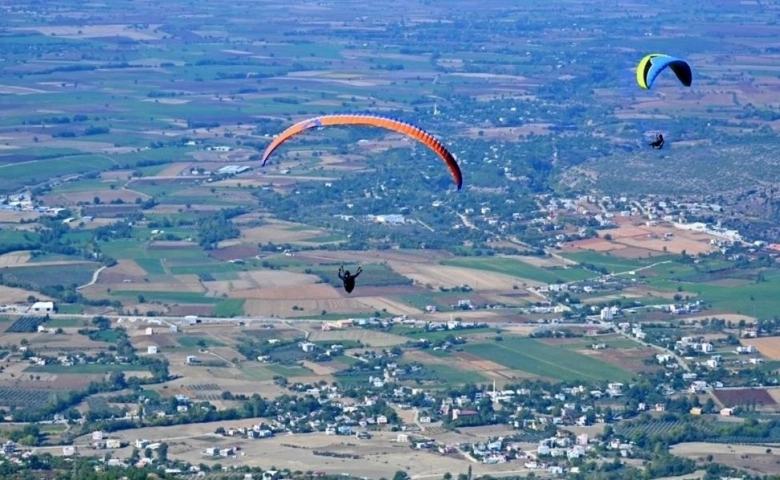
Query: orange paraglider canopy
(374, 121)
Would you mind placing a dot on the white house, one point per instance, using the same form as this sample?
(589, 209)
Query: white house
(41, 307)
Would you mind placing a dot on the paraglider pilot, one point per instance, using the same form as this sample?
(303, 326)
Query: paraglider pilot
(658, 143)
(348, 279)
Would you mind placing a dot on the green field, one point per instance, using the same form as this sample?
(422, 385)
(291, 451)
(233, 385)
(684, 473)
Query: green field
(258, 374)
(84, 369)
(611, 341)
(66, 322)
(554, 362)
(289, 372)
(167, 297)
(151, 265)
(745, 297)
(232, 307)
(418, 333)
(50, 275)
(521, 270)
(450, 375)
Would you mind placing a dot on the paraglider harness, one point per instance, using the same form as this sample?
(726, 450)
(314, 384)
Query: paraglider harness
(348, 279)
(658, 143)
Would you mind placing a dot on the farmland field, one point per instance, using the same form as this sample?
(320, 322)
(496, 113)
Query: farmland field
(365, 336)
(23, 398)
(767, 346)
(745, 397)
(556, 363)
(26, 324)
(522, 270)
(449, 276)
(83, 369)
(47, 275)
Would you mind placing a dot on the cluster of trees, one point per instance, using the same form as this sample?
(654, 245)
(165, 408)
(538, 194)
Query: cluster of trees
(212, 230)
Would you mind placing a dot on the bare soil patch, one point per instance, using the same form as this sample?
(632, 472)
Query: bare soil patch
(381, 304)
(97, 31)
(225, 287)
(116, 175)
(7, 216)
(750, 458)
(318, 368)
(278, 278)
(373, 256)
(284, 308)
(278, 234)
(367, 337)
(240, 251)
(628, 359)
(449, 276)
(14, 258)
(105, 196)
(767, 346)
(745, 396)
(161, 340)
(543, 262)
(17, 295)
(173, 169)
(319, 291)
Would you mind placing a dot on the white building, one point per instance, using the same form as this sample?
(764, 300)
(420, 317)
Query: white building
(151, 349)
(41, 307)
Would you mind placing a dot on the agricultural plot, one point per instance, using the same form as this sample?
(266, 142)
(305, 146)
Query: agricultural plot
(383, 304)
(451, 375)
(613, 264)
(419, 333)
(67, 322)
(552, 362)
(745, 397)
(26, 325)
(769, 347)
(20, 397)
(438, 276)
(374, 275)
(94, 368)
(10, 295)
(283, 232)
(636, 241)
(14, 259)
(49, 275)
(204, 387)
(522, 270)
(367, 337)
(301, 308)
(715, 432)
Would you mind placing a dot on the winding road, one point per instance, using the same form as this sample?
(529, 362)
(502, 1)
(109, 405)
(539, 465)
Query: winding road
(95, 277)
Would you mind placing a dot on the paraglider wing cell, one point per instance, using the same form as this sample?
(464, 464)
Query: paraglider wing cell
(652, 65)
(373, 121)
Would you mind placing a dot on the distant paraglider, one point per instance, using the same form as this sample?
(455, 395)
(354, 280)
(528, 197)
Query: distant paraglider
(658, 144)
(652, 65)
(374, 121)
